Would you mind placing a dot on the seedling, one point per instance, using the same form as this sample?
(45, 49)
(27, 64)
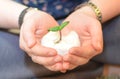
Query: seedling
(59, 28)
(54, 39)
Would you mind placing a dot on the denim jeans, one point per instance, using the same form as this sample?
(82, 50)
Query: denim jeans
(15, 63)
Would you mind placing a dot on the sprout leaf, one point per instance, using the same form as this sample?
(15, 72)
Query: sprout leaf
(58, 28)
(54, 29)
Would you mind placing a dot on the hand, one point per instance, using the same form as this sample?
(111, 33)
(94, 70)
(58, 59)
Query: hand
(90, 34)
(34, 27)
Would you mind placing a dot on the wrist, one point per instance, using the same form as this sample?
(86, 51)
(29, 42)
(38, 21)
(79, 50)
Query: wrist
(25, 13)
(90, 9)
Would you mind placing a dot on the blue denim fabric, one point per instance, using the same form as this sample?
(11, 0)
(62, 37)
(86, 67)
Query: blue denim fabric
(111, 35)
(15, 64)
(12, 58)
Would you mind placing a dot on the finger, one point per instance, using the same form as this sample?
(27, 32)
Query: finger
(36, 50)
(75, 60)
(40, 33)
(97, 38)
(31, 41)
(63, 71)
(55, 67)
(39, 50)
(65, 66)
(46, 61)
(71, 67)
(83, 51)
(28, 31)
(23, 45)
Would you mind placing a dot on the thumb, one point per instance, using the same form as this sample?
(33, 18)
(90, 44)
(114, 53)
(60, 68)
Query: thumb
(97, 38)
(28, 30)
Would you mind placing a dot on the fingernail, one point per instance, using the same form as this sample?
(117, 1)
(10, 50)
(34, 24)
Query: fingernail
(63, 71)
(52, 53)
(66, 65)
(29, 43)
(57, 59)
(38, 32)
(99, 46)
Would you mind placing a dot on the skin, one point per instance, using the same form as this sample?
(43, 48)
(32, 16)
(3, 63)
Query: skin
(35, 26)
(89, 29)
(90, 34)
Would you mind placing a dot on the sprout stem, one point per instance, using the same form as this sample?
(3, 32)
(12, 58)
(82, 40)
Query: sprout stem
(59, 28)
(60, 33)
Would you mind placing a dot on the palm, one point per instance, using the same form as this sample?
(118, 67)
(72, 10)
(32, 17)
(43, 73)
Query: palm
(90, 34)
(34, 27)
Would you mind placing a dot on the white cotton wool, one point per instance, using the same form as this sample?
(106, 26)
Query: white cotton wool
(67, 42)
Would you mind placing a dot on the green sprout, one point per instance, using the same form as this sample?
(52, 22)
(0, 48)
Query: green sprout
(59, 28)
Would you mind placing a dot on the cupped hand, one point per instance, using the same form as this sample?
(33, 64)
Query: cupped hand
(34, 27)
(90, 34)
